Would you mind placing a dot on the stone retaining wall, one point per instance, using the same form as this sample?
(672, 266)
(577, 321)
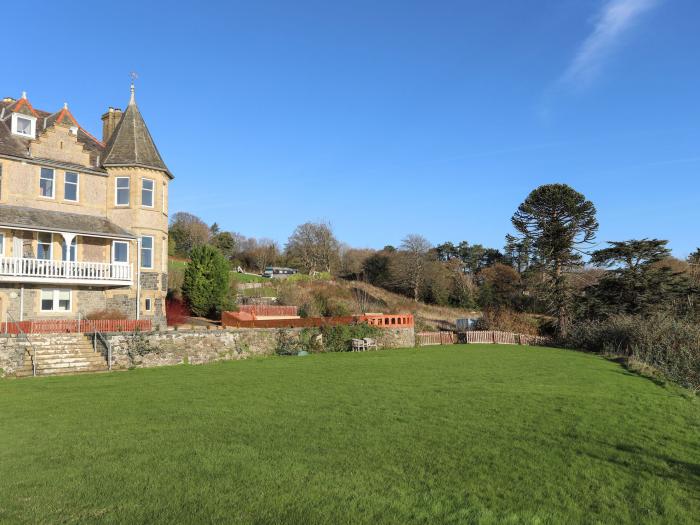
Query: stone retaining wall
(172, 347)
(204, 346)
(12, 352)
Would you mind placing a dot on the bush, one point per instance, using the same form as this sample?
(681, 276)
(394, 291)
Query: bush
(286, 344)
(669, 345)
(105, 314)
(507, 320)
(176, 311)
(206, 284)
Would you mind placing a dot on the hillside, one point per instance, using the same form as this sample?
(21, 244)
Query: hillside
(324, 296)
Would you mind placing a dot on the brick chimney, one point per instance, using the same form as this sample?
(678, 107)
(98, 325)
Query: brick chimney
(109, 122)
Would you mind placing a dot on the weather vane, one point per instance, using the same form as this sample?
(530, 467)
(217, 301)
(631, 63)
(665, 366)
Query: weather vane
(133, 76)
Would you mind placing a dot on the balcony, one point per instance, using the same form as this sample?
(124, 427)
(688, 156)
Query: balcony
(21, 270)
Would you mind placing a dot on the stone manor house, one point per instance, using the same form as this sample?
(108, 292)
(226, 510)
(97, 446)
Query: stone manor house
(83, 222)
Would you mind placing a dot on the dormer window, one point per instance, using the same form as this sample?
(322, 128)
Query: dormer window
(23, 125)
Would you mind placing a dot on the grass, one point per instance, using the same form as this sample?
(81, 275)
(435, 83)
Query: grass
(265, 291)
(177, 264)
(459, 434)
(247, 278)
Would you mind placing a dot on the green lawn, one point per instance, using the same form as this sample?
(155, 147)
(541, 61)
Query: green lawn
(460, 434)
(247, 278)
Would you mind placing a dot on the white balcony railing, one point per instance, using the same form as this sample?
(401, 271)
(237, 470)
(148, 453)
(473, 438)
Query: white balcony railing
(42, 270)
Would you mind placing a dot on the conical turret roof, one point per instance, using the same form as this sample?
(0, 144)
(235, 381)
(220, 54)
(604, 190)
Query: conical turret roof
(131, 143)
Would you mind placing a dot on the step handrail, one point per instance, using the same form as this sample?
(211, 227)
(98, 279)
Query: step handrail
(99, 335)
(96, 334)
(11, 319)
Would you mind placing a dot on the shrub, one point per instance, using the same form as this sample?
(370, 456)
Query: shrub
(508, 321)
(105, 314)
(176, 277)
(176, 311)
(669, 345)
(339, 338)
(286, 344)
(206, 283)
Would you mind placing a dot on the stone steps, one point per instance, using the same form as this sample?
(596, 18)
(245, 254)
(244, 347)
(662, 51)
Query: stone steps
(68, 354)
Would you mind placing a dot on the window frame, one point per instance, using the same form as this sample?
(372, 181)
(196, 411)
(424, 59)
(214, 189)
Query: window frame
(152, 190)
(151, 250)
(116, 192)
(38, 243)
(32, 125)
(56, 300)
(76, 183)
(2, 244)
(147, 304)
(53, 183)
(162, 200)
(114, 252)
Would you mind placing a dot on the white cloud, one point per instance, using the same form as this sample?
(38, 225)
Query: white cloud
(615, 18)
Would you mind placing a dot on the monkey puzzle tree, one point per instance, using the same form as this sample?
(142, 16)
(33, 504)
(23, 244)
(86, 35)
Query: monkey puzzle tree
(557, 221)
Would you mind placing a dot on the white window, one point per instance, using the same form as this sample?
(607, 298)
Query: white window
(55, 300)
(2, 244)
(146, 252)
(122, 191)
(70, 187)
(69, 254)
(23, 125)
(162, 199)
(120, 252)
(46, 183)
(148, 304)
(147, 188)
(44, 248)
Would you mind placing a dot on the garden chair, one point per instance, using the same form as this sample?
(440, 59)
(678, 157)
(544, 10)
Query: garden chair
(359, 345)
(370, 343)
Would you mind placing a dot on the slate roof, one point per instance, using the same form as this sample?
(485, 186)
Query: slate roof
(16, 146)
(131, 143)
(56, 221)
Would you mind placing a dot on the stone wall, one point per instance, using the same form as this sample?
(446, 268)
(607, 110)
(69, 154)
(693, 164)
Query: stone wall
(173, 347)
(397, 337)
(192, 346)
(12, 353)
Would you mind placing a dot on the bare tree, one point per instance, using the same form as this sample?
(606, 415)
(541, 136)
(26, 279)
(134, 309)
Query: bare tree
(188, 231)
(414, 250)
(265, 253)
(313, 247)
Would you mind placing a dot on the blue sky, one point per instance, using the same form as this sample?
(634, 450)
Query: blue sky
(392, 117)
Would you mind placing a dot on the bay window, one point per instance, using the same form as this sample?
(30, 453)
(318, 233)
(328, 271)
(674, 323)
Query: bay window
(147, 252)
(122, 191)
(147, 189)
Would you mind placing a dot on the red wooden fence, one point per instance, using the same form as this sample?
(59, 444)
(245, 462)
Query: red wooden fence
(74, 326)
(435, 338)
(234, 319)
(269, 310)
(487, 336)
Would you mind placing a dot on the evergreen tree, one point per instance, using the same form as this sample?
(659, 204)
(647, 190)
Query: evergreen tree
(206, 281)
(557, 221)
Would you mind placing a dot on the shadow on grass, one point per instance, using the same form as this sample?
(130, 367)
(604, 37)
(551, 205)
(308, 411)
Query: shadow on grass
(683, 472)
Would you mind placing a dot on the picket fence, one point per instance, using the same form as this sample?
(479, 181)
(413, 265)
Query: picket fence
(486, 336)
(61, 326)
